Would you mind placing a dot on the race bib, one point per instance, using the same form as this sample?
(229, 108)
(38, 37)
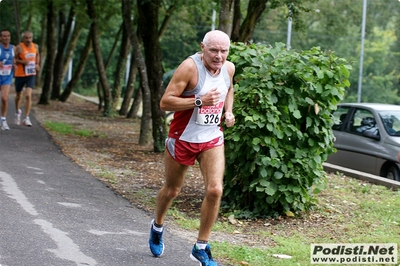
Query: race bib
(30, 69)
(5, 70)
(209, 115)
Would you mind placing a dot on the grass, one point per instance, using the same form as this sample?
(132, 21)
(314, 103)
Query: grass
(67, 129)
(348, 211)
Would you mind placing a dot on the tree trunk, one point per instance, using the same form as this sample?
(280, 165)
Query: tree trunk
(225, 16)
(137, 101)
(42, 52)
(129, 87)
(17, 19)
(167, 18)
(30, 17)
(100, 89)
(121, 68)
(148, 19)
(79, 69)
(71, 46)
(145, 136)
(237, 16)
(58, 71)
(51, 51)
(99, 59)
(254, 11)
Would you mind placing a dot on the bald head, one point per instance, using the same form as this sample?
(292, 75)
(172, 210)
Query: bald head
(216, 36)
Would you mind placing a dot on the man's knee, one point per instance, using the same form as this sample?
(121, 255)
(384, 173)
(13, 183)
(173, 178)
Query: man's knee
(214, 192)
(172, 192)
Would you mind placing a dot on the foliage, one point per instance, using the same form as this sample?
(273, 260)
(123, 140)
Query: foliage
(282, 135)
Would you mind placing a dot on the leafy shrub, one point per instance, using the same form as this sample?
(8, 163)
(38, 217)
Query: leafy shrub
(282, 134)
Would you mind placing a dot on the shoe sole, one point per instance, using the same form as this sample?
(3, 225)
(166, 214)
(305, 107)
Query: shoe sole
(163, 246)
(194, 259)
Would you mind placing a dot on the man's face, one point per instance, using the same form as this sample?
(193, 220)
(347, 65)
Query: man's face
(5, 37)
(215, 53)
(27, 38)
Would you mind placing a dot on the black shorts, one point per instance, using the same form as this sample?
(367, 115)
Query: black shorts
(29, 81)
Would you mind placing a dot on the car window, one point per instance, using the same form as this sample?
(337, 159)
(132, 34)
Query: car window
(363, 120)
(339, 116)
(391, 122)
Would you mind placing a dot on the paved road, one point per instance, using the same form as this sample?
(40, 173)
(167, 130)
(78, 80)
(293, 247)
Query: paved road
(53, 213)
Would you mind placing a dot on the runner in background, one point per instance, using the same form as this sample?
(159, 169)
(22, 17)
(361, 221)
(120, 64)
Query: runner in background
(7, 52)
(27, 59)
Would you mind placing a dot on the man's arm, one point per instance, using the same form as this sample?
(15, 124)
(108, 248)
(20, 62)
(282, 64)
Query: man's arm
(183, 79)
(18, 60)
(229, 117)
(37, 63)
(15, 57)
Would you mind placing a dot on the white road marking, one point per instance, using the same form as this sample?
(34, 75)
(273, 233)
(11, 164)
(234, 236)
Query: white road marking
(127, 232)
(34, 168)
(11, 188)
(68, 204)
(66, 248)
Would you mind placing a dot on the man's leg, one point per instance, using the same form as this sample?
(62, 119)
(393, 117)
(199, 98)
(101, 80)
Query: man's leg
(174, 178)
(18, 98)
(212, 166)
(28, 101)
(4, 99)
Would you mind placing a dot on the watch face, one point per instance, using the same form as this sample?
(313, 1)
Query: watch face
(198, 102)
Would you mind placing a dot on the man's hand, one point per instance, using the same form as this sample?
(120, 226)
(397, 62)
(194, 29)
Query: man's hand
(229, 119)
(211, 98)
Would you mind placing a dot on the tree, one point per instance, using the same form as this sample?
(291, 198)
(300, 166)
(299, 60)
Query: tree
(51, 52)
(225, 16)
(121, 67)
(94, 33)
(65, 29)
(254, 11)
(148, 19)
(79, 69)
(139, 61)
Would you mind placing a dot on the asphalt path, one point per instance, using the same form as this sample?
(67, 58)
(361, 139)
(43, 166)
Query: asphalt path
(52, 212)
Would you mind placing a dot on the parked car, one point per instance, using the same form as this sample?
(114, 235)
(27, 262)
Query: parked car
(367, 138)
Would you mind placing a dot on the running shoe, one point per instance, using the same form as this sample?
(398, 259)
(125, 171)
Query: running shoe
(27, 122)
(4, 125)
(17, 117)
(156, 243)
(203, 256)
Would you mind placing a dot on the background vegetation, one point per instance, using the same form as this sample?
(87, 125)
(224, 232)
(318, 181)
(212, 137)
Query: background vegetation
(283, 127)
(127, 48)
(331, 24)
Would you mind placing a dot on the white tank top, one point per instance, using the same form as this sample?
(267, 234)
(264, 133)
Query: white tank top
(200, 125)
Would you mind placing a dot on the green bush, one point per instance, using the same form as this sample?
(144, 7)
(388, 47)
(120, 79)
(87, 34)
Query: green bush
(282, 134)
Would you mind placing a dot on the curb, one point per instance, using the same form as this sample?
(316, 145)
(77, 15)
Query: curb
(378, 180)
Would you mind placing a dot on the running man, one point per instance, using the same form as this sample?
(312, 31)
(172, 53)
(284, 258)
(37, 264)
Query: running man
(7, 52)
(27, 59)
(199, 91)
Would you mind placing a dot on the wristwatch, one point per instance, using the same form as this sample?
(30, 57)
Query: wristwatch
(198, 102)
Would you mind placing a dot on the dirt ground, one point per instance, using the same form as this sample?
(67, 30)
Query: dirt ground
(112, 154)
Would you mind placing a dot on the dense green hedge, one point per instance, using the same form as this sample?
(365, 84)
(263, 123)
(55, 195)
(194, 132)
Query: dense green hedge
(282, 134)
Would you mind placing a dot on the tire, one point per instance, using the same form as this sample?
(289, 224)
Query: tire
(393, 173)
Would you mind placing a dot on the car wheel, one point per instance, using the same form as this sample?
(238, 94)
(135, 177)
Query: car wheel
(393, 173)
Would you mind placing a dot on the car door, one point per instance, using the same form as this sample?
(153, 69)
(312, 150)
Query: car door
(354, 150)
